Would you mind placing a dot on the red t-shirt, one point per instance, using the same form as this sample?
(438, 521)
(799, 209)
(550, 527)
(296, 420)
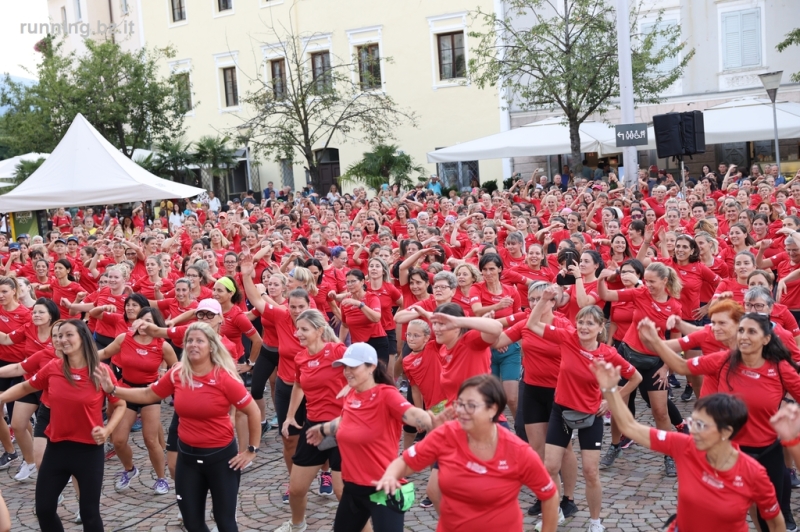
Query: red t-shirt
(170, 307)
(139, 362)
(622, 316)
(145, 287)
(732, 285)
(424, 370)
(362, 328)
(34, 363)
(694, 277)
(784, 317)
(783, 264)
(469, 356)
(542, 274)
(388, 295)
(321, 382)
(78, 407)
(10, 321)
(715, 500)
(466, 301)
(288, 345)
(647, 307)
(760, 388)
(487, 298)
(369, 432)
(577, 387)
(541, 357)
(572, 308)
(69, 292)
(28, 335)
(513, 465)
(234, 325)
(203, 405)
(702, 339)
(105, 297)
(720, 268)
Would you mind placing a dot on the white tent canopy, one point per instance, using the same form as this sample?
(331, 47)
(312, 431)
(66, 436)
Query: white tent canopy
(743, 120)
(8, 167)
(85, 169)
(546, 137)
(750, 119)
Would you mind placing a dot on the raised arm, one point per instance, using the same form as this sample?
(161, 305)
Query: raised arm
(490, 329)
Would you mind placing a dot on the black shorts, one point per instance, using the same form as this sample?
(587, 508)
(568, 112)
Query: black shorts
(408, 429)
(537, 403)
(172, 434)
(265, 364)
(31, 398)
(381, 345)
(391, 336)
(136, 407)
(42, 421)
(283, 396)
(307, 455)
(559, 434)
(8, 382)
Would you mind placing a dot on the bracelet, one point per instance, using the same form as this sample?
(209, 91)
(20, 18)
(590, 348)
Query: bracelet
(791, 443)
(322, 430)
(113, 391)
(613, 389)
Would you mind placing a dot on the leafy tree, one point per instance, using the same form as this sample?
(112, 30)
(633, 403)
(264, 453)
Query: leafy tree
(319, 104)
(792, 39)
(175, 156)
(384, 165)
(215, 157)
(120, 93)
(23, 171)
(567, 57)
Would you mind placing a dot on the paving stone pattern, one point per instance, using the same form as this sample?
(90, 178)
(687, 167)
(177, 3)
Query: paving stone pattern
(636, 495)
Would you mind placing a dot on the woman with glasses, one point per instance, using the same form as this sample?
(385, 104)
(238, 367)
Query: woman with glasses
(475, 439)
(718, 482)
(760, 370)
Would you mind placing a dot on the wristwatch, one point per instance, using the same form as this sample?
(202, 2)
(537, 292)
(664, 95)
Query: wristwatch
(361, 305)
(251, 449)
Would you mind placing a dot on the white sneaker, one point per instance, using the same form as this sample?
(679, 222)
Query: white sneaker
(25, 470)
(596, 527)
(561, 519)
(289, 527)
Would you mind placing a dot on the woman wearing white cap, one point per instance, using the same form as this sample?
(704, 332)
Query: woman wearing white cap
(367, 433)
(205, 384)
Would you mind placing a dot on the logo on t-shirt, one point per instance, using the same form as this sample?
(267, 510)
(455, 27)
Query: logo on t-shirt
(313, 363)
(76, 377)
(738, 482)
(503, 465)
(477, 468)
(661, 435)
(142, 352)
(751, 374)
(355, 403)
(412, 451)
(713, 481)
(4, 318)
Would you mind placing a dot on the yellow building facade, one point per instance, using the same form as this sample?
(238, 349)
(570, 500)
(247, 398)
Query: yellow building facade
(228, 48)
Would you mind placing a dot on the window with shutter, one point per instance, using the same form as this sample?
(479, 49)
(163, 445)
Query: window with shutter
(661, 42)
(741, 39)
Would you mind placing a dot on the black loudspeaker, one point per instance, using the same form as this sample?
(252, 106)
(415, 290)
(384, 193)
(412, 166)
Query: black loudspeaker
(668, 135)
(679, 134)
(694, 133)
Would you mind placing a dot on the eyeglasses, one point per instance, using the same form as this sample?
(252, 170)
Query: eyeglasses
(469, 408)
(204, 315)
(695, 425)
(441, 287)
(192, 276)
(758, 307)
(231, 262)
(636, 216)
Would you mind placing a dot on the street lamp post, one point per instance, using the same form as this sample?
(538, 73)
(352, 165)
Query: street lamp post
(771, 82)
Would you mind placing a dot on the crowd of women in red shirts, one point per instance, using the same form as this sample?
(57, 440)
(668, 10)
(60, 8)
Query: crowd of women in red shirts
(555, 294)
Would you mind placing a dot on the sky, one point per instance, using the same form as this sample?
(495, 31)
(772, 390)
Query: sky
(16, 48)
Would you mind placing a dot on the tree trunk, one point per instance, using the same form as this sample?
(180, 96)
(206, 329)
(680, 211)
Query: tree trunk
(575, 140)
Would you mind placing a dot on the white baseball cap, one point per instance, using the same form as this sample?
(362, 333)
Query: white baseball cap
(357, 354)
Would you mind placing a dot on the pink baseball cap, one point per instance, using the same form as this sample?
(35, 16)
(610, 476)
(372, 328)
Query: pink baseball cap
(210, 305)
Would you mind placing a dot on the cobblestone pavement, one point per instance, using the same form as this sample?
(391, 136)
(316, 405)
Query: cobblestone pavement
(636, 495)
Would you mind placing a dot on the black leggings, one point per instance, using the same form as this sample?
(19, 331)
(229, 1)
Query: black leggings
(355, 509)
(266, 363)
(62, 460)
(771, 457)
(199, 470)
(5, 384)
